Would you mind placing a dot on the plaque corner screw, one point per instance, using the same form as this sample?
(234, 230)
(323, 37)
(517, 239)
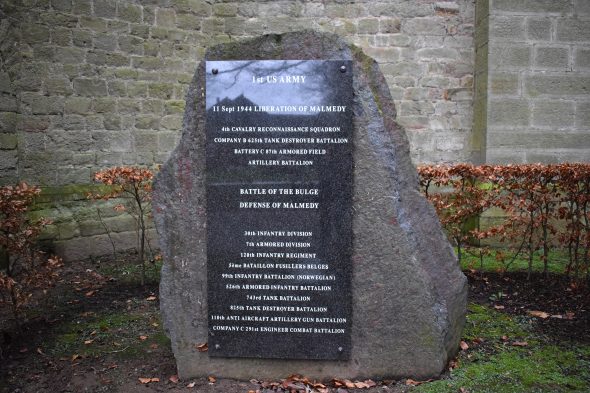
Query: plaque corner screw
(217, 346)
(214, 71)
(340, 349)
(343, 68)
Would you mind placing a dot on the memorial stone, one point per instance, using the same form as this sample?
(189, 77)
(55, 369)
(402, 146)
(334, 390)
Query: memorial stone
(294, 236)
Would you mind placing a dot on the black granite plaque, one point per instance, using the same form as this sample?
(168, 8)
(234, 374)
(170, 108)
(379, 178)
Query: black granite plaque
(279, 188)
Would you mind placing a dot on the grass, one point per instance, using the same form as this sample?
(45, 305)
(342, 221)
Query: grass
(123, 333)
(130, 273)
(496, 366)
(540, 369)
(558, 261)
(128, 331)
(483, 321)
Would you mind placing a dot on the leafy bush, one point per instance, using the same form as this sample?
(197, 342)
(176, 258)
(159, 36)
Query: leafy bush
(533, 197)
(24, 269)
(134, 184)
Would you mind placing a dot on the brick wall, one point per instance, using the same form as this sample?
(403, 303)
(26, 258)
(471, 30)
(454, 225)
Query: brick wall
(89, 84)
(536, 79)
(9, 63)
(102, 82)
(480, 98)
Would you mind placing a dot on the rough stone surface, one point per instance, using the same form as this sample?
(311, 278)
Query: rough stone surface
(409, 296)
(531, 67)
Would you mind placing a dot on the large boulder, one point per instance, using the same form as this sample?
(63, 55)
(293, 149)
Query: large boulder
(408, 293)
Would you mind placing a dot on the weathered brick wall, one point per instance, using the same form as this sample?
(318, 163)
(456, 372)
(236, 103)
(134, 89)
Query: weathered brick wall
(9, 63)
(89, 84)
(480, 97)
(537, 80)
(102, 81)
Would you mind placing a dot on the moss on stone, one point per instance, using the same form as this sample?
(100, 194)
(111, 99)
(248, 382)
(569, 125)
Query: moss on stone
(367, 63)
(69, 192)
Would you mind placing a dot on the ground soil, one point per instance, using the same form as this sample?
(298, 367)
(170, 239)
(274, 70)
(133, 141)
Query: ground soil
(30, 363)
(566, 306)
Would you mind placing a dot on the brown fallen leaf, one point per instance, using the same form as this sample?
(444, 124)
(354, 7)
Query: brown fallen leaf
(143, 338)
(453, 364)
(154, 346)
(89, 293)
(191, 385)
(370, 383)
(151, 298)
(348, 383)
(464, 346)
(173, 378)
(211, 379)
(75, 357)
(539, 314)
(23, 350)
(88, 342)
(148, 380)
(499, 307)
(337, 383)
(411, 382)
(202, 347)
(520, 344)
